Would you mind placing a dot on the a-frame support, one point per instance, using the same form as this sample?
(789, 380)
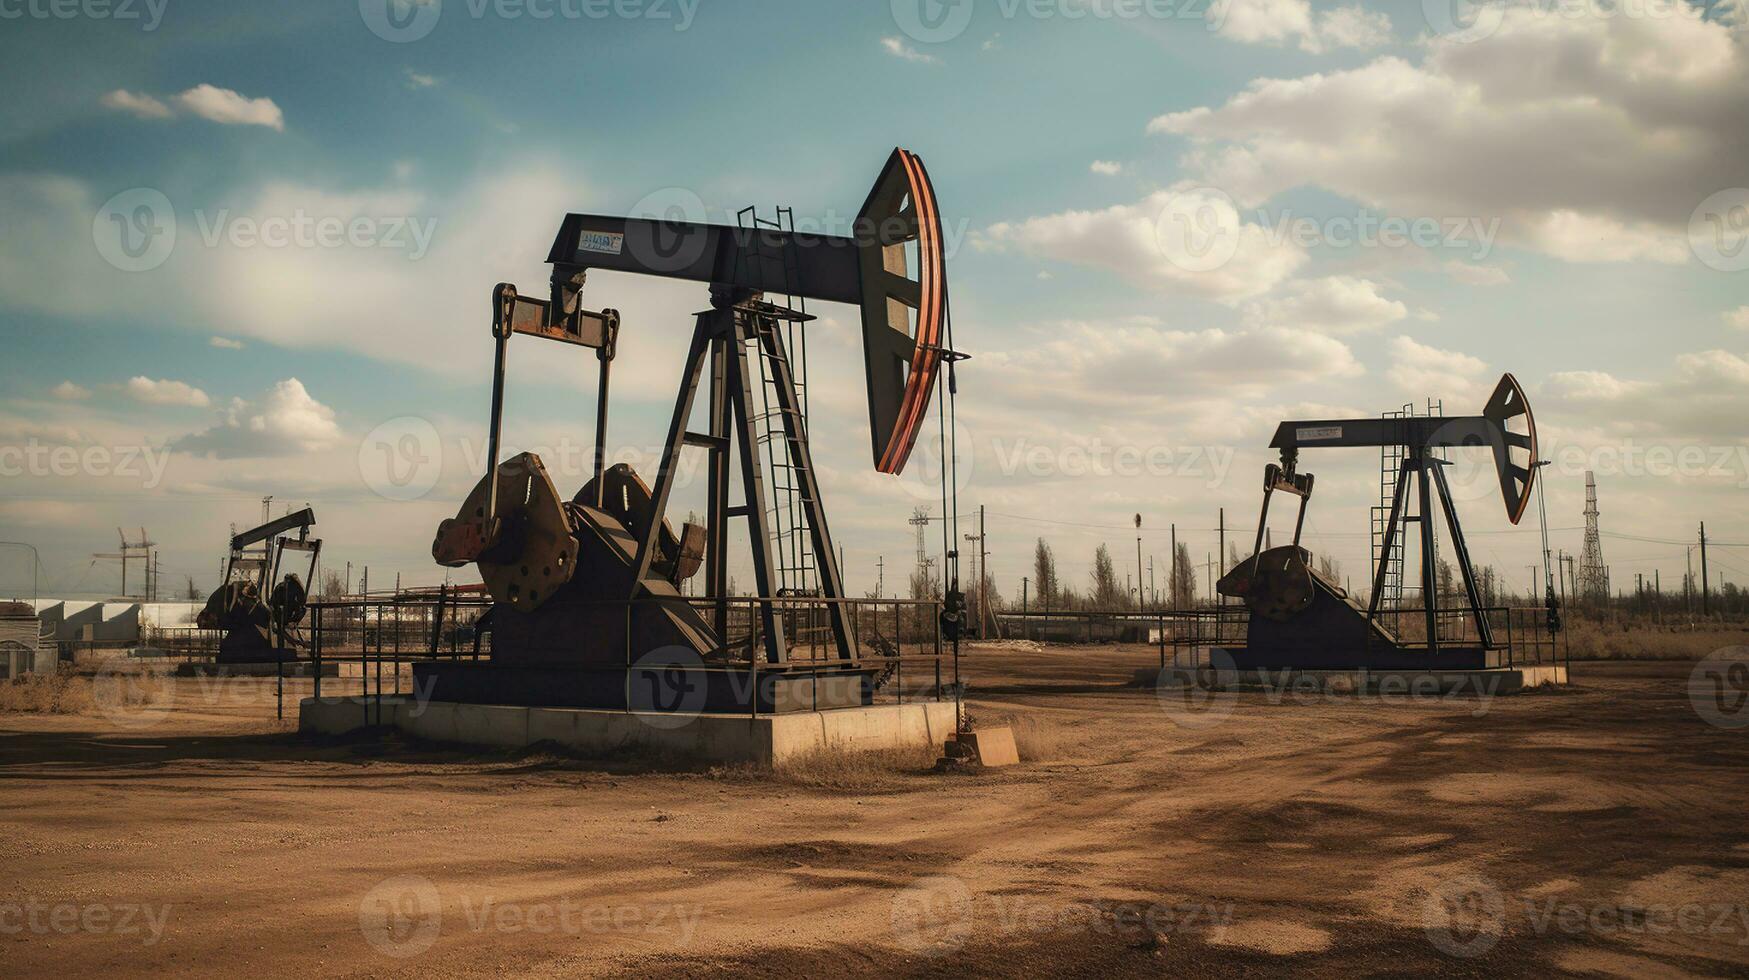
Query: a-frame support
(720, 338)
(1428, 472)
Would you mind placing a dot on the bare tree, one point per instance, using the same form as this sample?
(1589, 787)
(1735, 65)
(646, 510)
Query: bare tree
(1181, 581)
(1107, 593)
(1044, 573)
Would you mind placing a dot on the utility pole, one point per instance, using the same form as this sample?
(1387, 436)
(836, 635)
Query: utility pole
(880, 575)
(983, 575)
(1705, 600)
(1222, 600)
(1139, 604)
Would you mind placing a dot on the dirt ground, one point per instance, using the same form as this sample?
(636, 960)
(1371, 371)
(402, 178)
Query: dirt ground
(1598, 830)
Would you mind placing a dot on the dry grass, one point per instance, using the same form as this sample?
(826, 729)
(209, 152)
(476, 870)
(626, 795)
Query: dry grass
(1600, 641)
(53, 694)
(1037, 741)
(871, 771)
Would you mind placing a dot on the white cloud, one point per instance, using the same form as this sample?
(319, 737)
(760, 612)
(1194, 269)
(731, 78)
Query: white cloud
(70, 392)
(222, 105)
(226, 343)
(419, 79)
(1738, 318)
(1419, 371)
(1106, 168)
(1477, 275)
(1278, 21)
(1330, 305)
(1137, 366)
(283, 421)
(899, 49)
(143, 106)
(503, 222)
(1704, 396)
(1551, 125)
(1127, 238)
(164, 392)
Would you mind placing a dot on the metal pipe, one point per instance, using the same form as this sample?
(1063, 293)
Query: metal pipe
(503, 299)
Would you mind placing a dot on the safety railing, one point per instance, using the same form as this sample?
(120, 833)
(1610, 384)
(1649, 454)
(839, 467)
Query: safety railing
(899, 642)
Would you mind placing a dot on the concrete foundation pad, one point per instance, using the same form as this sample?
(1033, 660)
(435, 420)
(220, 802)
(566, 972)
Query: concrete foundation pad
(763, 739)
(1490, 682)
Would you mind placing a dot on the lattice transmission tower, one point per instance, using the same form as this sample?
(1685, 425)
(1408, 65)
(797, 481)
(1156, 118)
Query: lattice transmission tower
(1592, 585)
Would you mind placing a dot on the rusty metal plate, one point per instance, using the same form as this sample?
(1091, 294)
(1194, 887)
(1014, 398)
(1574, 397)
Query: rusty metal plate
(535, 553)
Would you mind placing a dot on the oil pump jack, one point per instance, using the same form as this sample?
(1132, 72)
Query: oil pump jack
(585, 587)
(1300, 619)
(257, 610)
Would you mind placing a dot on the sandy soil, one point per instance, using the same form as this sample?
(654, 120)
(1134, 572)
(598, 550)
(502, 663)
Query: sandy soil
(1598, 831)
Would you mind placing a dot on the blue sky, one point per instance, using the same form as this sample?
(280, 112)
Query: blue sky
(1587, 145)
